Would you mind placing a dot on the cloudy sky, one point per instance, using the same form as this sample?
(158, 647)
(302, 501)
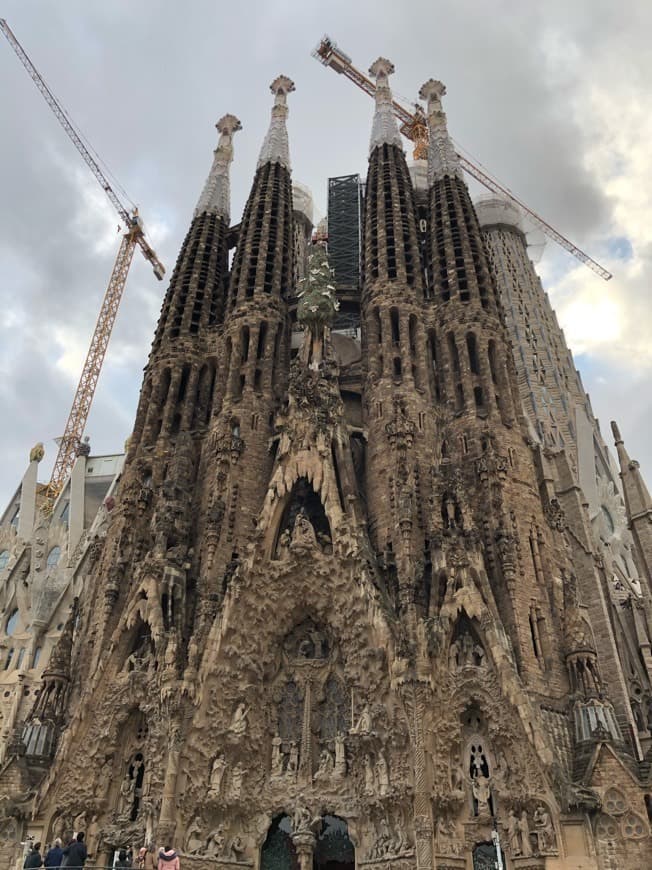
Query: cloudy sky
(554, 98)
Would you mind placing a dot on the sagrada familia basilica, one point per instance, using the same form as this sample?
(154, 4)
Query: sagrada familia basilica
(369, 596)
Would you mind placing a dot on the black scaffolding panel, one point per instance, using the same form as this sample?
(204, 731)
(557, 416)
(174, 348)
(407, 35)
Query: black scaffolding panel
(344, 229)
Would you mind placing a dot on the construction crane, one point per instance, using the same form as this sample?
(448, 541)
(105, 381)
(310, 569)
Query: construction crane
(414, 126)
(71, 441)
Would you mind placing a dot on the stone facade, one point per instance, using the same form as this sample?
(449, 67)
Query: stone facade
(348, 610)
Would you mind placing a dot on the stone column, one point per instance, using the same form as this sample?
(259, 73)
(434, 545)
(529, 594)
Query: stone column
(304, 843)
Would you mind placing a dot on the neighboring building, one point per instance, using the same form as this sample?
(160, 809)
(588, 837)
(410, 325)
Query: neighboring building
(358, 601)
(44, 561)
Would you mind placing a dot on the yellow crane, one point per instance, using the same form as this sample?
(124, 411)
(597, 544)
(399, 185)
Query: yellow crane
(414, 126)
(134, 236)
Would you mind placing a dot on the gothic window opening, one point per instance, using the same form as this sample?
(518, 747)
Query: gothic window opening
(290, 712)
(472, 348)
(396, 332)
(244, 344)
(534, 634)
(262, 338)
(334, 849)
(335, 709)
(278, 851)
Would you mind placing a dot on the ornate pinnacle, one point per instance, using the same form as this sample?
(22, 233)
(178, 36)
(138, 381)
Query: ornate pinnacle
(381, 69)
(275, 148)
(432, 91)
(227, 126)
(442, 157)
(281, 87)
(384, 129)
(216, 195)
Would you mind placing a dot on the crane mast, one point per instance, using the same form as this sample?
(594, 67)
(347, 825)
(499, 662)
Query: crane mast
(414, 127)
(134, 236)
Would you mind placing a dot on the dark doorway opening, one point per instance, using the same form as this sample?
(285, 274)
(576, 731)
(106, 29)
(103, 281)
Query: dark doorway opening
(334, 849)
(278, 852)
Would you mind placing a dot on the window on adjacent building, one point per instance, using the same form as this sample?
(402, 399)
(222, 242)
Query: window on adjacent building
(53, 557)
(12, 622)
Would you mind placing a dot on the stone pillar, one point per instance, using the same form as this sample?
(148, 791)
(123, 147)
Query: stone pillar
(304, 843)
(28, 501)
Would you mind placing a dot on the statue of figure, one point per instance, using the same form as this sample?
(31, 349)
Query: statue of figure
(453, 656)
(239, 720)
(369, 780)
(449, 506)
(467, 650)
(293, 760)
(544, 829)
(382, 774)
(340, 754)
(301, 818)
(524, 830)
(482, 794)
(57, 828)
(237, 777)
(478, 655)
(215, 846)
(79, 822)
(194, 837)
(277, 756)
(303, 533)
(217, 775)
(326, 765)
(458, 780)
(363, 725)
(127, 788)
(513, 834)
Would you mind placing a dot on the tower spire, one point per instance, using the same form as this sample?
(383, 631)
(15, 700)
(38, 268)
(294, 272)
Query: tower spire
(442, 157)
(637, 500)
(275, 148)
(384, 130)
(216, 196)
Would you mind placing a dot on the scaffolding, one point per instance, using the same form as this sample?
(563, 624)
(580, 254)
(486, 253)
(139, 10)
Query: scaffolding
(344, 232)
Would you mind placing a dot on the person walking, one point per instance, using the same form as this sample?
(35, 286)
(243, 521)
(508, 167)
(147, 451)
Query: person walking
(53, 856)
(168, 859)
(75, 853)
(123, 862)
(149, 859)
(34, 858)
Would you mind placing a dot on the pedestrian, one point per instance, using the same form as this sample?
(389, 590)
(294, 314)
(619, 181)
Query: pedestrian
(33, 858)
(123, 862)
(149, 859)
(168, 859)
(75, 853)
(54, 855)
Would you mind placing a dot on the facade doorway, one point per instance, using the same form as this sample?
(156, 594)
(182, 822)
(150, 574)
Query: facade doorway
(334, 849)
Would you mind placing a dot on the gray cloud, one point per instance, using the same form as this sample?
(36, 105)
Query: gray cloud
(146, 82)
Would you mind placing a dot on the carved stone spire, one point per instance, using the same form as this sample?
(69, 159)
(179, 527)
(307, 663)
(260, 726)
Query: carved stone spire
(275, 148)
(216, 196)
(637, 500)
(384, 130)
(442, 157)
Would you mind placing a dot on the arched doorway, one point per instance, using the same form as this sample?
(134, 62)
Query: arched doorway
(334, 849)
(278, 852)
